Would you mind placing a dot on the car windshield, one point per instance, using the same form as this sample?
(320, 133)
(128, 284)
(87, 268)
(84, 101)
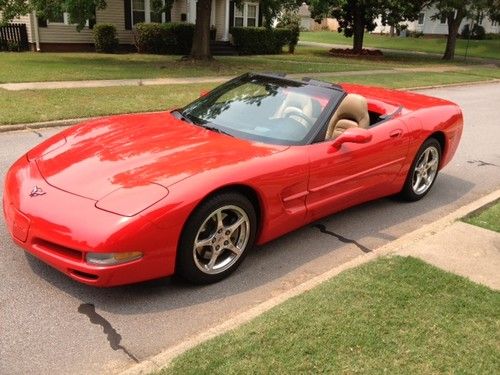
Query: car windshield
(263, 108)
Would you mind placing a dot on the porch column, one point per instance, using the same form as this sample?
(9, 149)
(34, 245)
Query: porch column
(225, 35)
(191, 11)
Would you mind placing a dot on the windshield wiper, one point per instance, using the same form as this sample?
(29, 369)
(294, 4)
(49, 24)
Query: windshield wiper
(213, 128)
(182, 116)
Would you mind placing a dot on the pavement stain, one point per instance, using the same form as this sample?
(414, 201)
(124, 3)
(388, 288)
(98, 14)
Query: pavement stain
(114, 338)
(343, 239)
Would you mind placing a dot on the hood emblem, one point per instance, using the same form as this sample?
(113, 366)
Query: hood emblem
(36, 191)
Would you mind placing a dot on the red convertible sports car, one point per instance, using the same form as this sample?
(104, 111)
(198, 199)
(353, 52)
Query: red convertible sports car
(129, 198)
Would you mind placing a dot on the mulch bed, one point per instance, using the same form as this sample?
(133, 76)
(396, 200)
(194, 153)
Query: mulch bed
(365, 53)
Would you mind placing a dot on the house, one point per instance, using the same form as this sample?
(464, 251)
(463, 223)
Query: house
(59, 35)
(309, 24)
(428, 26)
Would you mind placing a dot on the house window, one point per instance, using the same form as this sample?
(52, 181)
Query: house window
(251, 15)
(443, 18)
(143, 12)
(421, 18)
(61, 19)
(480, 18)
(246, 15)
(238, 15)
(58, 18)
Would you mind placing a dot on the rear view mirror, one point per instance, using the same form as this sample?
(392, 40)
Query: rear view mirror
(353, 135)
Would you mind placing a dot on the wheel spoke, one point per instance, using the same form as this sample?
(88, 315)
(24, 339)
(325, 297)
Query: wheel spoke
(233, 227)
(218, 218)
(213, 259)
(416, 184)
(204, 242)
(231, 247)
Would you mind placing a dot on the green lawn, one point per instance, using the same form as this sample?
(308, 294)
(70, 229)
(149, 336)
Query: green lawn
(30, 67)
(477, 48)
(44, 105)
(393, 316)
(488, 218)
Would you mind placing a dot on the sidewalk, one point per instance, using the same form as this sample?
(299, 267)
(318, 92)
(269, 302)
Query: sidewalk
(208, 79)
(464, 249)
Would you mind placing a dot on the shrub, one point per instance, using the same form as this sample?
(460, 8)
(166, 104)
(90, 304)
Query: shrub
(260, 40)
(164, 38)
(105, 39)
(291, 21)
(477, 33)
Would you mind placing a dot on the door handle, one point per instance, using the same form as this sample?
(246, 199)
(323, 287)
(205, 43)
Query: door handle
(395, 133)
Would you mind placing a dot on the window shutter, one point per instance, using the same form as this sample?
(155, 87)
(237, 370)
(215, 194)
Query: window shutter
(42, 22)
(231, 15)
(127, 5)
(92, 21)
(259, 21)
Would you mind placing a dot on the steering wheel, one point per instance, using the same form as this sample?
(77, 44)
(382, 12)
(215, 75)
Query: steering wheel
(295, 112)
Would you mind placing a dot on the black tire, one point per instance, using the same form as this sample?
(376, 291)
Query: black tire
(408, 192)
(187, 266)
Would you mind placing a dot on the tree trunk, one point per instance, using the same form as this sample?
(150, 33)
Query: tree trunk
(391, 31)
(201, 39)
(358, 28)
(451, 40)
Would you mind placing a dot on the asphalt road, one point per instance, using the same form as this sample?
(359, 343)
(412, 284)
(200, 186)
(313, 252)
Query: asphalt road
(47, 325)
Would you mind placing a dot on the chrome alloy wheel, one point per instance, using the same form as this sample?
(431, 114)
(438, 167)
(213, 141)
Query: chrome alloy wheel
(221, 239)
(425, 170)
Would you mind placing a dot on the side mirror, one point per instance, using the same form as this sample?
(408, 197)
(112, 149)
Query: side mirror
(203, 93)
(353, 135)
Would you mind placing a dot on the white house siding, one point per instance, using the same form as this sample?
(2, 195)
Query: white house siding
(114, 13)
(435, 27)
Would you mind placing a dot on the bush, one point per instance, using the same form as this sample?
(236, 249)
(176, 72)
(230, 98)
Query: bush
(492, 36)
(164, 38)
(478, 32)
(291, 21)
(105, 39)
(261, 41)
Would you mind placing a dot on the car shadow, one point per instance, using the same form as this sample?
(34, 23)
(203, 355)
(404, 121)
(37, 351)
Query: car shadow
(366, 224)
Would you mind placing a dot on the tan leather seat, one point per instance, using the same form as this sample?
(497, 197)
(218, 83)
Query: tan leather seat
(296, 102)
(352, 112)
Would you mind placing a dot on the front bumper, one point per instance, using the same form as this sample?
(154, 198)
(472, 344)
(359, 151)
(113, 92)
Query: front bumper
(59, 228)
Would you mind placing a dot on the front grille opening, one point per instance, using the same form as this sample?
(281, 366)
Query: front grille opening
(83, 275)
(51, 247)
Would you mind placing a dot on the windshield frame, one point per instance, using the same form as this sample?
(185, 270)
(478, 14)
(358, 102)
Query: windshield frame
(337, 96)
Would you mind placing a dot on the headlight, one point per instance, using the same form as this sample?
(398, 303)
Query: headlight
(109, 259)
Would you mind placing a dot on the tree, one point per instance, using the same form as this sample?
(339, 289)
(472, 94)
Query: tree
(10, 9)
(201, 40)
(455, 11)
(356, 16)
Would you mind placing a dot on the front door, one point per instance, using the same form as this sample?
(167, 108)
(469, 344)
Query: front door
(355, 172)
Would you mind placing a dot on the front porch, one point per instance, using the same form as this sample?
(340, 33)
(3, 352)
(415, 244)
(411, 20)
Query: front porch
(226, 14)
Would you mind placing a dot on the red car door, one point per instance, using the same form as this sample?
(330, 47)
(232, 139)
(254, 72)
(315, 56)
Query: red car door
(355, 172)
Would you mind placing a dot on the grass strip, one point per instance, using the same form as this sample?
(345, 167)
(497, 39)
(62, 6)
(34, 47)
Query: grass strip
(395, 315)
(488, 218)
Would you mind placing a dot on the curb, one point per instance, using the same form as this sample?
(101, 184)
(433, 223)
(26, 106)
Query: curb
(162, 359)
(69, 122)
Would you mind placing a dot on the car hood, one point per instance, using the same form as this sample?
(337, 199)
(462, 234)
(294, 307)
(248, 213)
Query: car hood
(101, 156)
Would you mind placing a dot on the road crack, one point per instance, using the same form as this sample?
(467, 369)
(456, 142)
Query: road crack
(480, 163)
(114, 338)
(343, 239)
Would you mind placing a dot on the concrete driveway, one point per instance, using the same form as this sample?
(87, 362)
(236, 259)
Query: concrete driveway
(47, 323)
